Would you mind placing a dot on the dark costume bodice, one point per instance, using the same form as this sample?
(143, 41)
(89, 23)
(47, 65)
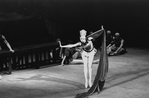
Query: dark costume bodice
(109, 39)
(87, 47)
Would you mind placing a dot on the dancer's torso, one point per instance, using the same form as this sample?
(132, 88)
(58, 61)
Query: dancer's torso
(87, 47)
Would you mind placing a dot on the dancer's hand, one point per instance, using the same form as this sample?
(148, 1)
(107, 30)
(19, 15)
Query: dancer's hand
(115, 52)
(102, 27)
(12, 50)
(59, 43)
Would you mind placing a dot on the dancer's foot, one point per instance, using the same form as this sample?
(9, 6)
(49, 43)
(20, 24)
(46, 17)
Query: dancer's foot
(86, 85)
(62, 64)
(90, 84)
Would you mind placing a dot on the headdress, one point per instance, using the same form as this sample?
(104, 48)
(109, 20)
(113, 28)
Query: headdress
(82, 33)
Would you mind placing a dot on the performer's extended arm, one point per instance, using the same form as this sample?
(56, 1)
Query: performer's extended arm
(69, 45)
(122, 41)
(7, 43)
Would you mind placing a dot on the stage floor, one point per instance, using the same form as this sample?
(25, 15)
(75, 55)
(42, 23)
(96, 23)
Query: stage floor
(128, 77)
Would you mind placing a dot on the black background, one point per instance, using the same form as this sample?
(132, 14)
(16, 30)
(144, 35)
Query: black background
(26, 22)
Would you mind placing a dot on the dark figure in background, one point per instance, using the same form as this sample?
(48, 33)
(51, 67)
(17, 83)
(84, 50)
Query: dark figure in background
(109, 37)
(67, 54)
(117, 46)
(3, 43)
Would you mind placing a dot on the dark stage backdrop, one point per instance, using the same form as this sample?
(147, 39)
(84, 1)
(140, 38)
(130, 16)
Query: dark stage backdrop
(25, 22)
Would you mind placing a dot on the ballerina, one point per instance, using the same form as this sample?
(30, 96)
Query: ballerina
(87, 51)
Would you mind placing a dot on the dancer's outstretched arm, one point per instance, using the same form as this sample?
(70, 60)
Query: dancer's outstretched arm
(7, 44)
(69, 45)
(119, 46)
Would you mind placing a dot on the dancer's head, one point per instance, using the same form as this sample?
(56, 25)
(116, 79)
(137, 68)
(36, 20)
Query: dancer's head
(117, 35)
(108, 32)
(83, 35)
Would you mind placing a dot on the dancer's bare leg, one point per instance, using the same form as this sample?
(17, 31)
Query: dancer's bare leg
(85, 70)
(62, 63)
(90, 61)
